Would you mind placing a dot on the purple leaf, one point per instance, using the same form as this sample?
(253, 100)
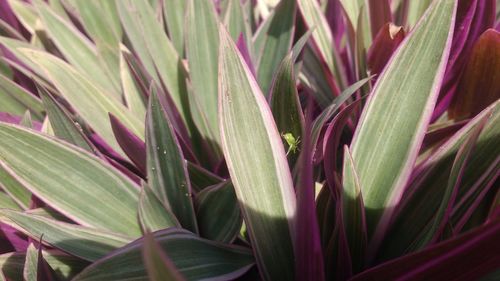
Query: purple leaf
(467, 257)
(16, 239)
(473, 18)
(384, 44)
(380, 14)
(242, 47)
(309, 256)
(44, 271)
(131, 144)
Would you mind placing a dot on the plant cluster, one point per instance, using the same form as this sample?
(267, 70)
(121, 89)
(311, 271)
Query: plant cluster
(249, 140)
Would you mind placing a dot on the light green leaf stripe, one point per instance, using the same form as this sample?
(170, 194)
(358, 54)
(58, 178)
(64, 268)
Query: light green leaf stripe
(257, 164)
(214, 261)
(398, 111)
(84, 242)
(70, 180)
(153, 215)
(96, 104)
(202, 26)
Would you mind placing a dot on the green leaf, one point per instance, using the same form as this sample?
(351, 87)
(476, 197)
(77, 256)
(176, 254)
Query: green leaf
(158, 265)
(322, 37)
(213, 260)
(257, 164)
(276, 44)
(96, 105)
(8, 203)
(394, 120)
(415, 11)
(62, 124)
(218, 212)
(134, 99)
(70, 180)
(16, 190)
(285, 104)
(153, 215)
(78, 50)
(65, 266)
(201, 26)
(442, 215)
(26, 120)
(353, 213)
(25, 13)
(431, 179)
(174, 12)
(201, 178)
(167, 171)
(155, 50)
(16, 100)
(238, 23)
(31, 264)
(83, 242)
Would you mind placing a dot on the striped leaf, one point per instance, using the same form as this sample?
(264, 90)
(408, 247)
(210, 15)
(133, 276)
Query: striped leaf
(96, 105)
(83, 242)
(394, 120)
(167, 171)
(218, 212)
(40, 162)
(174, 12)
(31, 264)
(213, 261)
(16, 100)
(153, 215)
(202, 26)
(257, 164)
(158, 265)
(65, 266)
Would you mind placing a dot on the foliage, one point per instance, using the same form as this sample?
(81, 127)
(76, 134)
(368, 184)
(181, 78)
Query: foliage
(249, 140)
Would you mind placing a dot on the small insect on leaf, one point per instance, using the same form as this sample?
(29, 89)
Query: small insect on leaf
(293, 143)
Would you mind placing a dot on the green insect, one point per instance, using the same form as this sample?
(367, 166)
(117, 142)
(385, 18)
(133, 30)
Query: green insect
(293, 143)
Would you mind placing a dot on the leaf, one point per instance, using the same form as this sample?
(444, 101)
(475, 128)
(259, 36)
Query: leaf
(201, 178)
(257, 163)
(384, 44)
(416, 11)
(396, 115)
(65, 266)
(155, 50)
(218, 212)
(31, 263)
(353, 212)
(309, 264)
(153, 215)
(167, 171)
(379, 14)
(276, 44)
(16, 190)
(285, 103)
(16, 100)
(83, 242)
(96, 105)
(201, 26)
(441, 217)
(158, 265)
(213, 261)
(313, 17)
(467, 257)
(132, 145)
(431, 178)
(62, 124)
(479, 85)
(8, 203)
(238, 23)
(134, 98)
(25, 13)
(174, 12)
(78, 50)
(39, 161)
